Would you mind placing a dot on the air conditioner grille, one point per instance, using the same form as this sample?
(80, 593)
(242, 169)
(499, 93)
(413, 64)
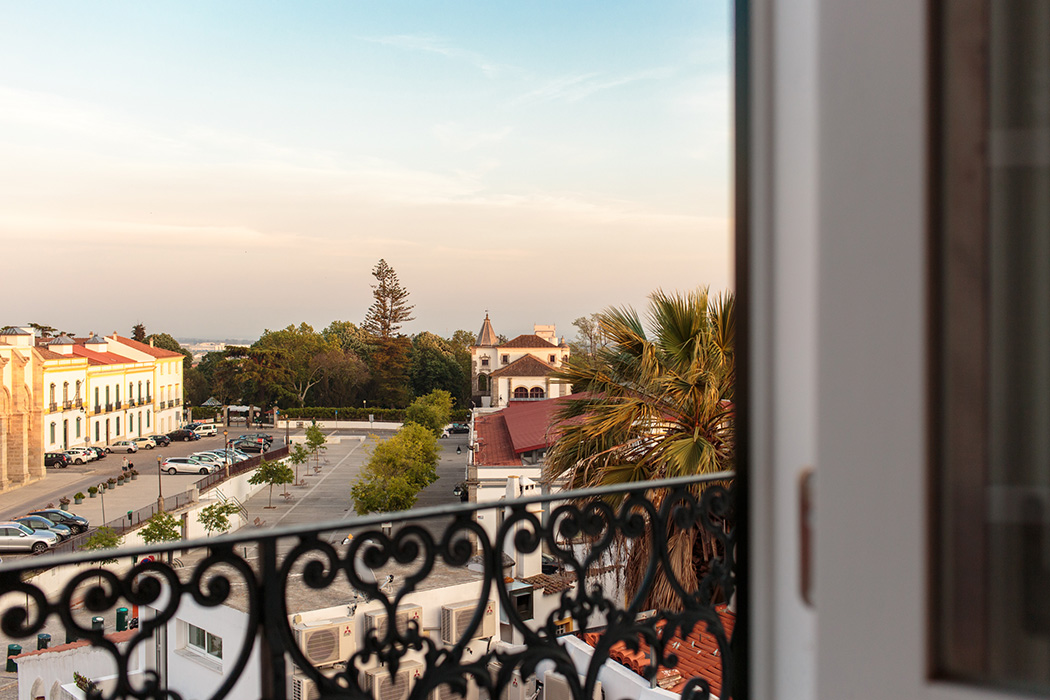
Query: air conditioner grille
(322, 645)
(304, 689)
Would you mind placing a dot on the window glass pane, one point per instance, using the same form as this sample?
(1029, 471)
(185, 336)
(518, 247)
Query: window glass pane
(215, 646)
(993, 360)
(196, 637)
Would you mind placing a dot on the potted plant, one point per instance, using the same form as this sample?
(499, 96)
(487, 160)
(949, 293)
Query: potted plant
(92, 491)
(63, 502)
(133, 473)
(120, 480)
(111, 481)
(78, 497)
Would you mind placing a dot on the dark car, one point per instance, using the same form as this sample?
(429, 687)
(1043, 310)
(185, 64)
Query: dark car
(183, 434)
(250, 446)
(454, 428)
(161, 440)
(56, 459)
(256, 437)
(57, 515)
(39, 522)
(99, 451)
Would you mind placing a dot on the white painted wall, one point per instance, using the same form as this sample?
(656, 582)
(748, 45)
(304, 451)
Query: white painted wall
(58, 667)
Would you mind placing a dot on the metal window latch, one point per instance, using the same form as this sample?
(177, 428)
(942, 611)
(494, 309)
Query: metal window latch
(805, 531)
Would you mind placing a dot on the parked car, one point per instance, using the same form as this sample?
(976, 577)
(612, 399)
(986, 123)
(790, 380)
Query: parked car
(231, 454)
(208, 458)
(57, 515)
(39, 522)
(183, 434)
(206, 429)
(128, 446)
(17, 537)
(257, 437)
(250, 446)
(99, 452)
(56, 459)
(454, 429)
(161, 440)
(81, 455)
(144, 443)
(187, 465)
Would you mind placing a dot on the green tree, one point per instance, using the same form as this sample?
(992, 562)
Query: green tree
(655, 406)
(315, 442)
(350, 338)
(298, 456)
(432, 411)
(397, 470)
(434, 366)
(216, 517)
(389, 309)
(271, 473)
(138, 332)
(390, 381)
(589, 335)
(162, 527)
(44, 331)
(306, 354)
(103, 538)
(342, 380)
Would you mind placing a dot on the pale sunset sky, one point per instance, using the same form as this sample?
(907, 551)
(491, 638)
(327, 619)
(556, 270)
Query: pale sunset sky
(212, 169)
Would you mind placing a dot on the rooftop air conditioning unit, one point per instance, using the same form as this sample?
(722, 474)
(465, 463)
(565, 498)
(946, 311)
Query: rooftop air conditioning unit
(326, 642)
(383, 687)
(377, 620)
(445, 692)
(456, 617)
(517, 688)
(556, 687)
(304, 688)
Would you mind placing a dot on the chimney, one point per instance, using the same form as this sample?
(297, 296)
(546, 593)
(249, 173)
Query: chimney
(151, 342)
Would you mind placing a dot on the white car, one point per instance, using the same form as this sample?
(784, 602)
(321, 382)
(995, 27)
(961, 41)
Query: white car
(144, 443)
(81, 455)
(128, 446)
(206, 458)
(187, 465)
(205, 429)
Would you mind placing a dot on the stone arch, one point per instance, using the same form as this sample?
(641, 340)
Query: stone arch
(37, 689)
(56, 692)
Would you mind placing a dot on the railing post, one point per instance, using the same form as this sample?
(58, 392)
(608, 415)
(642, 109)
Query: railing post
(272, 684)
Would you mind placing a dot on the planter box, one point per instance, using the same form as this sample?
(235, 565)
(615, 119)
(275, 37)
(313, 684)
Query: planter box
(93, 495)
(78, 501)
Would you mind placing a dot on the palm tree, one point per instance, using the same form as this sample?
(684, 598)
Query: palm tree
(652, 407)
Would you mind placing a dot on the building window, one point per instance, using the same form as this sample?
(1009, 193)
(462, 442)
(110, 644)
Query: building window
(140, 391)
(504, 358)
(52, 400)
(65, 392)
(107, 396)
(52, 433)
(203, 641)
(96, 398)
(147, 388)
(78, 427)
(131, 423)
(96, 431)
(483, 382)
(131, 391)
(536, 392)
(117, 390)
(521, 393)
(77, 397)
(484, 362)
(118, 426)
(522, 603)
(147, 419)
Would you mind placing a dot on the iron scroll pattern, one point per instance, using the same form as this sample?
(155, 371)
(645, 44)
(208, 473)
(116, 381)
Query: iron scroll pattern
(582, 530)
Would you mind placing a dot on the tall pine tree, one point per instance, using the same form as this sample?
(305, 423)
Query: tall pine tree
(389, 310)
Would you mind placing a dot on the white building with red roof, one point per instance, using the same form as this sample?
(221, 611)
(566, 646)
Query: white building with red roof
(518, 369)
(21, 378)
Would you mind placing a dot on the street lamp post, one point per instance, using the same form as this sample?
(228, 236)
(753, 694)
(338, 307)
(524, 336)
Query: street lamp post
(102, 494)
(160, 492)
(226, 442)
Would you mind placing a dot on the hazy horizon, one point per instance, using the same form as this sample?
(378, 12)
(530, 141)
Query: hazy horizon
(214, 170)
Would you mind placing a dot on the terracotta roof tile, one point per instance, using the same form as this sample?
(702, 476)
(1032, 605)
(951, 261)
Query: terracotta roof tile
(528, 340)
(495, 448)
(100, 358)
(527, 366)
(115, 637)
(697, 654)
(146, 347)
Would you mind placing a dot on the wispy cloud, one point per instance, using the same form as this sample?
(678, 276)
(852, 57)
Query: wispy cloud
(572, 88)
(433, 44)
(459, 138)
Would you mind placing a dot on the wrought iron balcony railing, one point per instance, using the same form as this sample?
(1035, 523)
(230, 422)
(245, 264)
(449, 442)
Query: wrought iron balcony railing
(476, 610)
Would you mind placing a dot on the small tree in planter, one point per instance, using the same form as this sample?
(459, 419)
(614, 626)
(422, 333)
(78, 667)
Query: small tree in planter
(133, 473)
(315, 441)
(162, 527)
(298, 455)
(93, 491)
(120, 480)
(63, 502)
(271, 473)
(111, 481)
(78, 497)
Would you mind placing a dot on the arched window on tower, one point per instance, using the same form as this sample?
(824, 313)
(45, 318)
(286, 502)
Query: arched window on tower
(521, 393)
(536, 392)
(483, 382)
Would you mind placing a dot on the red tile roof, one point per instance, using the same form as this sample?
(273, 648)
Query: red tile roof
(146, 347)
(115, 637)
(528, 340)
(100, 358)
(698, 654)
(527, 366)
(495, 448)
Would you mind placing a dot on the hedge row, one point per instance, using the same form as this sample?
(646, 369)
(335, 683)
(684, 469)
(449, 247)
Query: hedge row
(394, 415)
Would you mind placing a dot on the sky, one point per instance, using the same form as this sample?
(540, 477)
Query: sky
(215, 169)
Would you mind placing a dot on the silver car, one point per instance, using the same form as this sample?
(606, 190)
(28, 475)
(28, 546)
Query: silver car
(39, 522)
(17, 537)
(186, 465)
